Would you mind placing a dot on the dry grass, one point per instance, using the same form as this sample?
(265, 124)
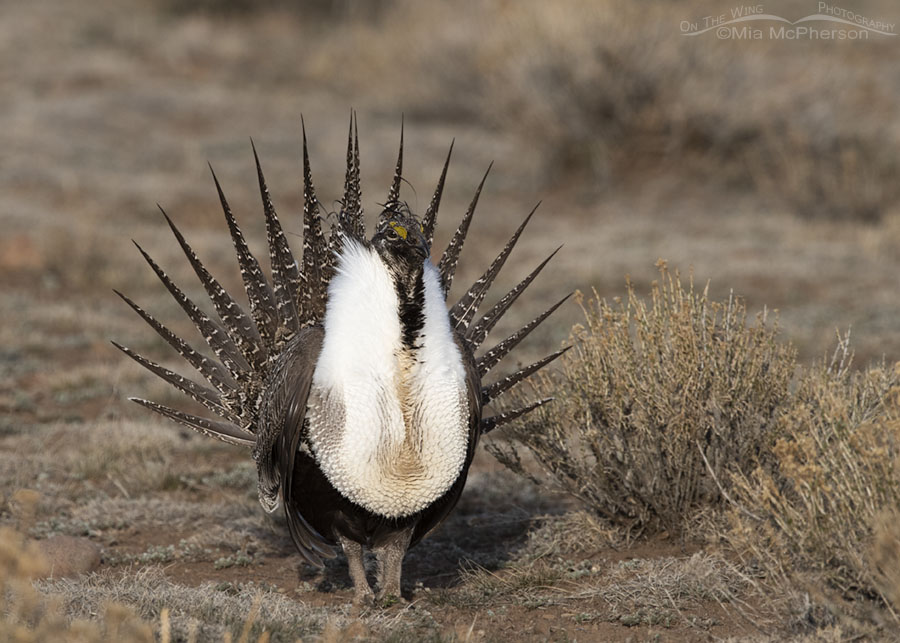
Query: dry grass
(202, 613)
(657, 400)
(654, 591)
(146, 607)
(30, 616)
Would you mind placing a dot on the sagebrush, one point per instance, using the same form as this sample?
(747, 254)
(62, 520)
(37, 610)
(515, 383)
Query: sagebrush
(823, 521)
(656, 401)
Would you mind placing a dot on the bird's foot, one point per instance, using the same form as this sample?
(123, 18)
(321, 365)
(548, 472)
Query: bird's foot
(390, 597)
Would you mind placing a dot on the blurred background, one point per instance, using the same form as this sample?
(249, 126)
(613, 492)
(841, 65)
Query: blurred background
(765, 167)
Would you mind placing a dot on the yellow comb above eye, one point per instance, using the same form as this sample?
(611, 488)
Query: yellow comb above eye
(399, 229)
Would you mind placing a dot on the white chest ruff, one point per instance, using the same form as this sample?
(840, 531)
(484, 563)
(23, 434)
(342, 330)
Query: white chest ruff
(388, 428)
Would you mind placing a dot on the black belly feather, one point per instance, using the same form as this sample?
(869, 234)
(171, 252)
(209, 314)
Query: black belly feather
(332, 515)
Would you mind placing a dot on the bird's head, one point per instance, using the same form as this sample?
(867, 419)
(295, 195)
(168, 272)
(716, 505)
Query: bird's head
(400, 240)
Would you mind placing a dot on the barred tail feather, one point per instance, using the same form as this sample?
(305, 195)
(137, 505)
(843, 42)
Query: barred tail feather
(201, 394)
(351, 218)
(238, 325)
(394, 193)
(479, 331)
(210, 370)
(492, 357)
(285, 275)
(465, 309)
(450, 257)
(500, 387)
(224, 431)
(488, 424)
(259, 292)
(215, 335)
(315, 247)
(432, 211)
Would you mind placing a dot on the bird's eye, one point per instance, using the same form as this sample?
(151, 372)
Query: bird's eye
(391, 234)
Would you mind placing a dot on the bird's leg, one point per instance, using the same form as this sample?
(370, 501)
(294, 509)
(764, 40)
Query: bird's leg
(390, 560)
(362, 592)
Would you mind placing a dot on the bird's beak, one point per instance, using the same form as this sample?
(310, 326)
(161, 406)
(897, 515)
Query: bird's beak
(417, 240)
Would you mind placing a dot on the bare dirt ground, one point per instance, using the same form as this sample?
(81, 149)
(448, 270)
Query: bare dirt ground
(108, 108)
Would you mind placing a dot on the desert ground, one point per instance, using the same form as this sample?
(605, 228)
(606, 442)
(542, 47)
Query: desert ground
(765, 169)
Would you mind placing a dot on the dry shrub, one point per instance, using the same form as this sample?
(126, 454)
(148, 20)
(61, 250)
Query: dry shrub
(823, 520)
(654, 397)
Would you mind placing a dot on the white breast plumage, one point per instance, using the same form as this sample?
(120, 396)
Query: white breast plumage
(388, 427)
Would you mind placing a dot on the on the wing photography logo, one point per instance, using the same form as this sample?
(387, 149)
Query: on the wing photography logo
(752, 22)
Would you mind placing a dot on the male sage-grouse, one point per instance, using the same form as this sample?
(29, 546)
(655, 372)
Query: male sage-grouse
(357, 391)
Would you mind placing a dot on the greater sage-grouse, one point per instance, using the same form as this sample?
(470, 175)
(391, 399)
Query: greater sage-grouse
(358, 393)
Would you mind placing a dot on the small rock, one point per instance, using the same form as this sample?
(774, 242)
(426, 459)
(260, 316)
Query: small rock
(68, 556)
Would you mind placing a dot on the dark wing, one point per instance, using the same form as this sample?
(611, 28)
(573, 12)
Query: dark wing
(284, 409)
(434, 515)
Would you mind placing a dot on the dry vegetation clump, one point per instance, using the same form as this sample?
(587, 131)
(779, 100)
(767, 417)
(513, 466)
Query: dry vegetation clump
(655, 403)
(26, 615)
(823, 521)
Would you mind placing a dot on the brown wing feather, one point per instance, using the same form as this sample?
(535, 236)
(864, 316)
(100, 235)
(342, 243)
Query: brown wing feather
(284, 409)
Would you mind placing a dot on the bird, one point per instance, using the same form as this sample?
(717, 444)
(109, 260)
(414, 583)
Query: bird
(357, 388)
